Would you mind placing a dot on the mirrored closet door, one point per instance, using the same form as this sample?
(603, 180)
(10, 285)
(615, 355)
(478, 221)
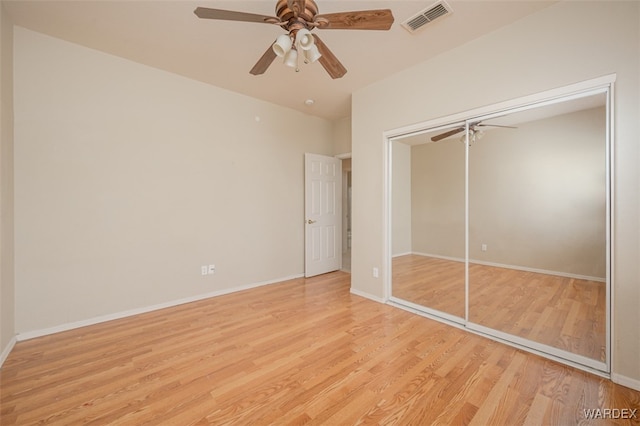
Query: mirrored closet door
(501, 223)
(428, 205)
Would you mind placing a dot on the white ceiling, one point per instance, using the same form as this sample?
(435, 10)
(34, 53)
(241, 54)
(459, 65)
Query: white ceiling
(167, 35)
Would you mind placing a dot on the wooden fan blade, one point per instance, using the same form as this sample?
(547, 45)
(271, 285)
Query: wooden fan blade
(445, 135)
(263, 63)
(230, 15)
(328, 60)
(378, 19)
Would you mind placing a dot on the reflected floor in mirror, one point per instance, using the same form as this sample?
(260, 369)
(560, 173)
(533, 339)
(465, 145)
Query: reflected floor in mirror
(428, 281)
(566, 313)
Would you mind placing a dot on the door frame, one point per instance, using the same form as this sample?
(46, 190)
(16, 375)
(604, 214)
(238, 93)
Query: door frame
(346, 208)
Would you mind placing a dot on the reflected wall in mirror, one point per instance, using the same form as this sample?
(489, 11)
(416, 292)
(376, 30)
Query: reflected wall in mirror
(428, 223)
(537, 226)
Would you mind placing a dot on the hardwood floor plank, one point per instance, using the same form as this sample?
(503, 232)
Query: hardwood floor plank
(537, 410)
(304, 351)
(493, 409)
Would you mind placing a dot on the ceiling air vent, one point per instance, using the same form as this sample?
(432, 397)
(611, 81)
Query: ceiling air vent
(423, 17)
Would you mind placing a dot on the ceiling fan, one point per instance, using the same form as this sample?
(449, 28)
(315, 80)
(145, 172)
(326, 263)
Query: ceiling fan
(299, 18)
(473, 128)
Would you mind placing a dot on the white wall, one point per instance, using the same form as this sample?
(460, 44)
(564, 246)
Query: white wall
(7, 287)
(562, 44)
(128, 179)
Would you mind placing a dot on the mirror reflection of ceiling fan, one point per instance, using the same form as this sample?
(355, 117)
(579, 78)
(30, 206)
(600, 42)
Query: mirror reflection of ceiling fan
(474, 131)
(299, 18)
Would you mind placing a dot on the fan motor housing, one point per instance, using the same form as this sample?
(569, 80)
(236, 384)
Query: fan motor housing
(286, 14)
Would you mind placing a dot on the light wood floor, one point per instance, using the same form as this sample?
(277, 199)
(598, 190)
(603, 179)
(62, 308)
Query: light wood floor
(302, 351)
(565, 313)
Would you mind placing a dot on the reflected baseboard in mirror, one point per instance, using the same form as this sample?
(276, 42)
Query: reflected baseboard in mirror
(562, 312)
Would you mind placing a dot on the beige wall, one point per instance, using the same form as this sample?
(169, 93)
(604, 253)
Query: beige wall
(560, 45)
(342, 136)
(128, 179)
(7, 329)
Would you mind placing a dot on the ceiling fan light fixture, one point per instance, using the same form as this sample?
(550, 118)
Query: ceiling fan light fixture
(304, 39)
(291, 58)
(282, 45)
(312, 55)
(298, 18)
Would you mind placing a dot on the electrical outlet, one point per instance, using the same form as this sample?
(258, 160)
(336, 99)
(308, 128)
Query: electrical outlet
(208, 269)
(376, 273)
(484, 247)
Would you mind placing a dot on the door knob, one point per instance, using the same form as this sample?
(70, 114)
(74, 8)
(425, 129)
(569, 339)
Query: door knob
(311, 221)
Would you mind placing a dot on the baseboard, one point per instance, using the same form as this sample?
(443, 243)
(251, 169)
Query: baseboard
(7, 350)
(367, 295)
(118, 315)
(625, 381)
(402, 254)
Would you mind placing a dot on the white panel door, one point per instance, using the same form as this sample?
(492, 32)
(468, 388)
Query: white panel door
(323, 209)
